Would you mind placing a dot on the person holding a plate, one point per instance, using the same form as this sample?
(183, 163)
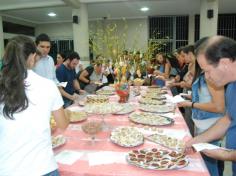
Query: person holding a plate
(26, 103)
(90, 79)
(217, 58)
(207, 107)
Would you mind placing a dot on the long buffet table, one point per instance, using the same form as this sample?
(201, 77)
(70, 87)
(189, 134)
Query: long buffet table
(104, 158)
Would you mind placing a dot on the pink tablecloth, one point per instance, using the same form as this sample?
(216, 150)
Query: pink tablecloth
(103, 158)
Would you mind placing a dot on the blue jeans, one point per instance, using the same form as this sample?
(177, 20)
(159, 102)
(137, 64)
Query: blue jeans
(53, 173)
(67, 102)
(212, 164)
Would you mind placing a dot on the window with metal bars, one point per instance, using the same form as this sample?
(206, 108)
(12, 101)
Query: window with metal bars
(60, 46)
(226, 26)
(171, 31)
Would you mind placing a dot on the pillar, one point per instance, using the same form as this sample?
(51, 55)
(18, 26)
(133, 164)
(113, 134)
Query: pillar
(208, 18)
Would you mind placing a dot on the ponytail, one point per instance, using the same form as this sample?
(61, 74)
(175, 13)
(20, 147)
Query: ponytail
(13, 74)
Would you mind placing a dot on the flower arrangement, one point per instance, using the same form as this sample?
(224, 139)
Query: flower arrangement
(106, 39)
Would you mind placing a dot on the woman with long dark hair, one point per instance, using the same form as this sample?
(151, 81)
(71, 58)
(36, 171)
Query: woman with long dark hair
(26, 103)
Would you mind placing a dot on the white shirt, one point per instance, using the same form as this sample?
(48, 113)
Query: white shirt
(45, 68)
(25, 143)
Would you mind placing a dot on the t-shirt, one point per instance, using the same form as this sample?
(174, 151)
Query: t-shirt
(45, 68)
(66, 75)
(90, 70)
(26, 147)
(231, 111)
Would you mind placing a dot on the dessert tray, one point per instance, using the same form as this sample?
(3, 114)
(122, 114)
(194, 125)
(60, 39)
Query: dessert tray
(96, 99)
(146, 118)
(127, 137)
(167, 141)
(151, 101)
(105, 108)
(77, 116)
(126, 108)
(157, 108)
(157, 159)
(154, 96)
(105, 92)
(58, 141)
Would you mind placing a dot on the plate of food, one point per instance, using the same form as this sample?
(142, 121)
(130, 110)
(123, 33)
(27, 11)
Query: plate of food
(151, 101)
(105, 92)
(152, 119)
(58, 141)
(155, 159)
(167, 141)
(76, 116)
(125, 109)
(104, 108)
(153, 96)
(157, 108)
(127, 137)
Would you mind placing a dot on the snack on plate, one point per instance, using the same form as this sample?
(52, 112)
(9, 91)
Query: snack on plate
(151, 101)
(157, 108)
(105, 108)
(127, 137)
(157, 159)
(146, 118)
(126, 108)
(167, 141)
(58, 141)
(97, 99)
(105, 92)
(76, 116)
(154, 96)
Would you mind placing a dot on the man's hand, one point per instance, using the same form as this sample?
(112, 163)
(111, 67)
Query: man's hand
(82, 91)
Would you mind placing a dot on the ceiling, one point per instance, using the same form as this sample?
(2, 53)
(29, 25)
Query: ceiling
(35, 11)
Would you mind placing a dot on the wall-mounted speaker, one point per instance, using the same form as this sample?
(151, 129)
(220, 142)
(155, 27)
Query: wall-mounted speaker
(210, 13)
(75, 19)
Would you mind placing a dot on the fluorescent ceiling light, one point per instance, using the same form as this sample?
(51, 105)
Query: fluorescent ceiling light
(52, 14)
(144, 9)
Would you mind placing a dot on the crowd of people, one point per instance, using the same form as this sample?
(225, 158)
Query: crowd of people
(30, 83)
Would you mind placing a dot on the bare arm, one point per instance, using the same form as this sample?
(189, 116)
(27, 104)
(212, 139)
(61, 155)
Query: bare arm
(217, 103)
(166, 74)
(65, 94)
(61, 119)
(221, 154)
(215, 132)
(76, 84)
(83, 75)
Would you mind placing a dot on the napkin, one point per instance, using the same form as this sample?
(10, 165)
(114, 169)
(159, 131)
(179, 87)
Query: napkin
(175, 99)
(68, 157)
(75, 108)
(202, 146)
(99, 158)
(62, 84)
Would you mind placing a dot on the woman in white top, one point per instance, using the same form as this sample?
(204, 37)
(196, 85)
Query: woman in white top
(26, 102)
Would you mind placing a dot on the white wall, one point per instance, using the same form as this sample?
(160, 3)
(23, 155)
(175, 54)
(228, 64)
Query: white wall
(55, 30)
(136, 31)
